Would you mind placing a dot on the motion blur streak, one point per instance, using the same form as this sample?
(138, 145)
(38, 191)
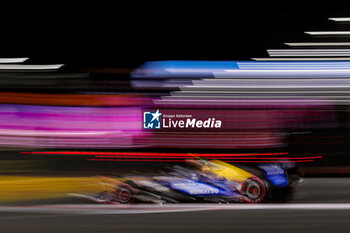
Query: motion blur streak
(183, 160)
(68, 127)
(150, 156)
(24, 188)
(216, 157)
(302, 59)
(138, 160)
(72, 99)
(29, 67)
(317, 44)
(323, 33)
(340, 19)
(145, 154)
(13, 60)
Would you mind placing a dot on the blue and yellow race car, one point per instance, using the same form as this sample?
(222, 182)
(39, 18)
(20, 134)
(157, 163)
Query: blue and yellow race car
(200, 181)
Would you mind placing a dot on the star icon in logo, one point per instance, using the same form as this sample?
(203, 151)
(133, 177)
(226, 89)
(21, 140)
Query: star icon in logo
(156, 115)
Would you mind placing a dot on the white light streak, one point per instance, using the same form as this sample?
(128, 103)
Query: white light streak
(340, 19)
(13, 60)
(302, 59)
(301, 44)
(293, 65)
(308, 52)
(330, 71)
(29, 67)
(328, 33)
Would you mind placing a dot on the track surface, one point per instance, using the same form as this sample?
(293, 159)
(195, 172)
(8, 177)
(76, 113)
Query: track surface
(321, 205)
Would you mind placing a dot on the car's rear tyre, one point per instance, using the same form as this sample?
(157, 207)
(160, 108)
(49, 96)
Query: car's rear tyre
(253, 190)
(124, 194)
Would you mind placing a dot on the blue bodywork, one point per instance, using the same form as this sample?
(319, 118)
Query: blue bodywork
(201, 187)
(275, 173)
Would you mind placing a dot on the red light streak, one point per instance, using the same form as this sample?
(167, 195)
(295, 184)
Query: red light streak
(267, 161)
(148, 153)
(219, 157)
(180, 157)
(140, 160)
(182, 160)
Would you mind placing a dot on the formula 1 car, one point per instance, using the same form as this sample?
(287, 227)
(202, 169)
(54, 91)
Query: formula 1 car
(199, 181)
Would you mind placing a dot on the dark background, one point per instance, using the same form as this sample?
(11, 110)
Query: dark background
(125, 35)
